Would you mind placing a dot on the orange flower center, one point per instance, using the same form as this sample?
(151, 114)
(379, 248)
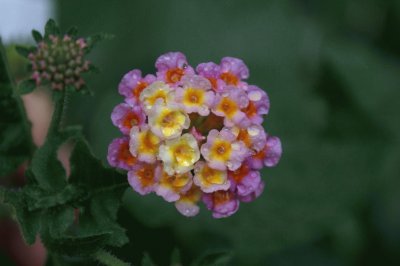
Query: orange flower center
(244, 136)
(250, 110)
(125, 155)
(192, 195)
(174, 75)
(221, 197)
(229, 78)
(146, 175)
(240, 173)
(261, 154)
(138, 89)
(130, 120)
(228, 107)
(213, 82)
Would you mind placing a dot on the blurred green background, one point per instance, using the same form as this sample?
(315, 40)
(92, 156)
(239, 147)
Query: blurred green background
(332, 71)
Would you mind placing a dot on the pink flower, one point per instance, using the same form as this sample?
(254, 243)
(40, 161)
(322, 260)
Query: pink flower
(269, 156)
(119, 155)
(255, 194)
(258, 104)
(142, 178)
(195, 96)
(172, 66)
(125, 116)
(244, 180)
(187, 203)
(221, 203)
(209, 179)
(171, 186)
(132, 85)
(228, 104)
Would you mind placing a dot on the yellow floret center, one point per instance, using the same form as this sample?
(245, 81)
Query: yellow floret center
(159, 94)
(221, 150)
(183, 154)
(175, 181)
(213, 176)
(171, 122)
(193, 97)
(228, 107)
(148, 142)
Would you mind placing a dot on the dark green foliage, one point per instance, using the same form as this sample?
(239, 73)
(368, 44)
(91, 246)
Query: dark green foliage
(147, 261)
(51, 28)
(16, 143)
(221, 258)
(37, 36)
(331, 69)
(75, 216)
(105, 186)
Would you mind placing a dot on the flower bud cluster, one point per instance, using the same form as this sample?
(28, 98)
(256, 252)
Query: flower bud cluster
(60, 62)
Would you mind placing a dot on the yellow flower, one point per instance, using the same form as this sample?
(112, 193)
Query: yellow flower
(155, 92)
(179, 154)
(168, 121)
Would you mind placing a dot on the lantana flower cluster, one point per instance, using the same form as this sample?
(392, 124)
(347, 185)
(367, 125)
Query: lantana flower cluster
(192, 135)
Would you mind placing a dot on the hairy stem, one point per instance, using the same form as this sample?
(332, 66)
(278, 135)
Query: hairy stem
(60, 105)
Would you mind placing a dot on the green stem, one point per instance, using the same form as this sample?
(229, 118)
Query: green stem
(60, 105)
(108, 259)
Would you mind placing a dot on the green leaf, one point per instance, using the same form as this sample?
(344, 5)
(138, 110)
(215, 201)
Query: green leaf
(147, 261)
(37, 36)
(26, 86)
(176, 257)
(46, 168)
(220, 258)
(29, 221)
(82, 245)
(24, 51)
(51, 28)
(108, 259)
(105, 187)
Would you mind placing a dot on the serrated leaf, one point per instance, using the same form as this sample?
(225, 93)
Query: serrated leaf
(105, 187)
(29, 221)
(26, 86)
(220, 258)
(47, 169)
(37, 36)
(51, 28)
(42, 199)
(82, 245)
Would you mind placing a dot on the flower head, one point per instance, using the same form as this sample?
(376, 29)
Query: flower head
(194, 135)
